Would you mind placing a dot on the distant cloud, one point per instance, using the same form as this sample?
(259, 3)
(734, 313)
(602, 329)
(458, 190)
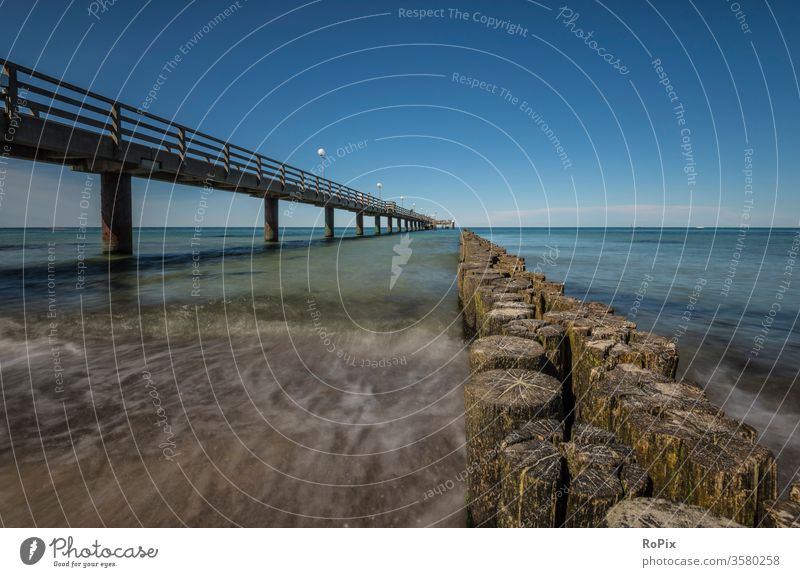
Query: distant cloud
(622, 215)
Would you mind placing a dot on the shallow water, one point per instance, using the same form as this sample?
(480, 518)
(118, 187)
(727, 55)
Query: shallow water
(248, 385)
(272, 386)
(711, 291)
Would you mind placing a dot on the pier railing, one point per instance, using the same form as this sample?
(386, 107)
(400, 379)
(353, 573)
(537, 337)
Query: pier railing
(28, 92)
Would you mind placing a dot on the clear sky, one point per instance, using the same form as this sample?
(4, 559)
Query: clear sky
(570, 122)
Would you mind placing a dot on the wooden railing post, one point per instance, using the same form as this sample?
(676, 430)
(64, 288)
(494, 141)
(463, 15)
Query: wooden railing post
(116, 126)
(182, 143)
(226, 154)
(283, 177)
(259, 169)
(11, 94)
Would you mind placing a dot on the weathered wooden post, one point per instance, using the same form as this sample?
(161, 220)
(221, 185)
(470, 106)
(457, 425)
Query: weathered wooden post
(389, 224)
(328, 222)
(116, 132)
(11, 91)
(116, 212)
(270, 219)
(377, 224)
(359, 224)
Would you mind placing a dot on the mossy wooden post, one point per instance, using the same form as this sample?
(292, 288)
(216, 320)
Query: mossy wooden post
(599, 476)
(496, 403)
(692, 452)
(492, 323)
(780, 514)
(532, 485)
(648, 513)
(503, 352)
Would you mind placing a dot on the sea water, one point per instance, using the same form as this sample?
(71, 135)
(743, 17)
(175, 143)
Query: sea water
(728, 297)
(213, 380)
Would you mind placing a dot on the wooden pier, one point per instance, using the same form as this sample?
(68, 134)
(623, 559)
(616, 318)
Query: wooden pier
(47, 120)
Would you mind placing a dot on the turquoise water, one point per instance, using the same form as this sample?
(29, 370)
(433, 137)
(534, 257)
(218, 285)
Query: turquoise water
(314, 383)
(211, 380)
(730, 299)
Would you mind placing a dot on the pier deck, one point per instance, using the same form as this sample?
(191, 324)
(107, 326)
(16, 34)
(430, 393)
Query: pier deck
(47, 120)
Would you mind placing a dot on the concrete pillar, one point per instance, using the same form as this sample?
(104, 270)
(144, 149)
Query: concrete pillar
(377, 225)
(328, 222)
(359, 224)
(271, 219)
(389, 224)
(116, 212)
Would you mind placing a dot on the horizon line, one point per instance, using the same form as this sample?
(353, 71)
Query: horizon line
(697, 227)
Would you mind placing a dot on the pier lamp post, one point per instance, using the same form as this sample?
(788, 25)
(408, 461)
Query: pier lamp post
(402, 198)
(413, 206)
(380, 197)
(322, 155)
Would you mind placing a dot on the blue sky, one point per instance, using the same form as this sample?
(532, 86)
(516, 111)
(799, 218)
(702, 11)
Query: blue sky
(390, 95)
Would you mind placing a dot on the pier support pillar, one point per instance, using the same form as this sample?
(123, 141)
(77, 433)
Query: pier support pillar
(359, 224)
(270, 219)
(389, 224)
(328, 222)
(377, 225)
(116, 212)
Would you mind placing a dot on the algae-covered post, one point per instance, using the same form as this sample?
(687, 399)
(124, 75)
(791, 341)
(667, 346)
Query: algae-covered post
(572, 411)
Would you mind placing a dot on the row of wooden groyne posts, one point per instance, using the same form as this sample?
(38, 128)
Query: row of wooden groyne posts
(574, 417)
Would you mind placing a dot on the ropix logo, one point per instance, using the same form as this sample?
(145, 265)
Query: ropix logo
(402, 252)
(31, 550)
